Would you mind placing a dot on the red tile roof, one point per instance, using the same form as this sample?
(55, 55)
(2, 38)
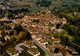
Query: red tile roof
(57, 39)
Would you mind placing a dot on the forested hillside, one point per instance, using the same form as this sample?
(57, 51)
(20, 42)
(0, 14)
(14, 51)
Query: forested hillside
(72, 27)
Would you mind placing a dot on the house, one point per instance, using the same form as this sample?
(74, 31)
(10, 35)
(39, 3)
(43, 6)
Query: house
(52, 28)
(58, 54)
(12, 52)
(56, 41)
(3, 7)
(38, 37)
(25, 18)
(59, 30)
(6, 37)
(28, 44)
(44, 42)
(63, 50)
(14, 21)
(45, 30)
(4, 19)
(23, 24)
(11, 25)
(34, 29)
(72, 50)
(34, 17)
(19, 20)
(62, 20)
(33, 51)
(33, 36)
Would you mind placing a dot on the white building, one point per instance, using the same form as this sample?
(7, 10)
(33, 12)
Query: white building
(12, 52)
(7, 37)
(34, 51)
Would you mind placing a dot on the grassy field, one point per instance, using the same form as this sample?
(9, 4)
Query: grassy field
(24, 47)
(34, 7)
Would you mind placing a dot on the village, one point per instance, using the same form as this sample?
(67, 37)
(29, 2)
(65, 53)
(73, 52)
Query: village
(40, 28)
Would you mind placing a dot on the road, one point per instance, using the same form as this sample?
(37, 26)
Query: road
(18, 47)
(47, 52)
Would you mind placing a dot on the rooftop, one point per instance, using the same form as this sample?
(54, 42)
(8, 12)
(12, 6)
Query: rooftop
(42, 40)
(34, 50)
(28, 42)
(12, 50)
(56, 39)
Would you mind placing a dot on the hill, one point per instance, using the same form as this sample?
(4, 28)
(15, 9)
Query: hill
(39, 4)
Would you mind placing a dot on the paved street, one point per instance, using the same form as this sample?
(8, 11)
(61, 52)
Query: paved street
(47, 52)
(18, 47)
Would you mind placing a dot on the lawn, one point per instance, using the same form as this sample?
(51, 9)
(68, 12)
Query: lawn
(24, 52)
(24, 47)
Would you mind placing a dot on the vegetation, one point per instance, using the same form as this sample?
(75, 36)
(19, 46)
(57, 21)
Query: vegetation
(70, 9)
(24, 53)
(36, 20)
(42, 53)
(56, 50)
(3, 33)
(43, 3)
(18, 13)
(16, 35)
(25, 48)
(71, 27)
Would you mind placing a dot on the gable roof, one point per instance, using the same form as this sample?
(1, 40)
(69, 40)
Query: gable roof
(56, 39)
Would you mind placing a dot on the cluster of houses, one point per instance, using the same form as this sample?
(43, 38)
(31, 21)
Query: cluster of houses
(38, 30)
(2, 6)
(39, 27)
(4, 19)
(56, 44)
(32, 49)
(42, 27)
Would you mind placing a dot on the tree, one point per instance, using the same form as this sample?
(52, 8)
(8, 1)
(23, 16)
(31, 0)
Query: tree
(6, 15)
(10, 33)
(58, 25)
(28, 36)
(2, 39)
(44, 3)
(56, 50)
(24, 35)
(21, 35)
(8, 27)
(15, 32)
(18, 28)
(50, 42)
(2, 27)
(3, 33)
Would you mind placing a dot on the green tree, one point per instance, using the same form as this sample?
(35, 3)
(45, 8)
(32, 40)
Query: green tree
(7, 13)
(56, 50)
(18, 28)
(3, 33)
(15, 32)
